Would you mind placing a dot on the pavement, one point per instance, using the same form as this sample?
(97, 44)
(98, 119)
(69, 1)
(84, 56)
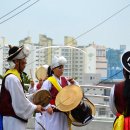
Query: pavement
(105, 124)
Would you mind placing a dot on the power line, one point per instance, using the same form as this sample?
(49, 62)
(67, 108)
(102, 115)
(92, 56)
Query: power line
(14, 9)
(102, 22)
(93, 29)
(77, 36)
(19, 12)
(99, 24)
(110, 77)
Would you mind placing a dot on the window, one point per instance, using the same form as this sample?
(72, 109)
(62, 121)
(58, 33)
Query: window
(102, 111)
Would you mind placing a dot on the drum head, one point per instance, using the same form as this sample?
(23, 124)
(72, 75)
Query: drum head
(41, 73)
(68, 98)
(41, 97)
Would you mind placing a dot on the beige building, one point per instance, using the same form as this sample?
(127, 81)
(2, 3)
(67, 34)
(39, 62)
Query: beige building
(101, 61)
(40, 53)
(70, 41)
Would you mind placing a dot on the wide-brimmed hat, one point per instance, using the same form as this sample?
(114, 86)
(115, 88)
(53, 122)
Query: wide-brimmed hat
(41, 97)
(125, 60)
(14, 51)
(41, 72)
(68, 98)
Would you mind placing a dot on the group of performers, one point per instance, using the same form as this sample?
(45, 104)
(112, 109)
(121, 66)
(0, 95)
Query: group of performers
(65, 97)
(16, 108)
(62, 101)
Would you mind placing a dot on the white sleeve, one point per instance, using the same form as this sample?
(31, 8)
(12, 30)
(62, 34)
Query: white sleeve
(75, 82)
(47, 85)
(112, 101)
(21, 105)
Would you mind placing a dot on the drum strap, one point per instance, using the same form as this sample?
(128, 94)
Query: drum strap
(55, 83)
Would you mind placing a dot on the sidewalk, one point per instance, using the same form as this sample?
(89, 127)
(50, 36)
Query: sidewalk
(94, 125)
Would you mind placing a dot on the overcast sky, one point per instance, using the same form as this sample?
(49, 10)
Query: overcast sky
(59, 18)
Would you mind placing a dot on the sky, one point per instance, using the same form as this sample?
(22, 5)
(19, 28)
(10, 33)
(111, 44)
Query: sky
(76, 18)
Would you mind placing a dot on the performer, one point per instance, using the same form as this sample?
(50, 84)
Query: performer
(120, 97)
(15, 108)
(56, 120)
(32, 87)
(41, 73)
(39, 85)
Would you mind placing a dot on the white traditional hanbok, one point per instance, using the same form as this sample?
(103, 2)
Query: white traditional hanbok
(56, 121)
(21, 105)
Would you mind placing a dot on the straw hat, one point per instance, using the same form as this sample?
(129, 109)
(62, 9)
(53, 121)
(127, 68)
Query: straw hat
(41, 72)
(68, 98)
(41, 97)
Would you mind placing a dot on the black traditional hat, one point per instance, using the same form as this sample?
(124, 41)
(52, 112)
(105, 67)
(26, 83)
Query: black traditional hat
(125, 60)
(14, 51)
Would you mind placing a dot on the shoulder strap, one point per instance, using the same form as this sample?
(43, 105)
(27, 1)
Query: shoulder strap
(55, 83)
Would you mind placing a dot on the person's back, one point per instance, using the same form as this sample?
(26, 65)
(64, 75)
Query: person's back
(120, 95)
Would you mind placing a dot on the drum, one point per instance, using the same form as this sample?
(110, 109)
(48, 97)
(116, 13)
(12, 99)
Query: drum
(70, 100)
(83, 113)
(41, 97)
(41, 72)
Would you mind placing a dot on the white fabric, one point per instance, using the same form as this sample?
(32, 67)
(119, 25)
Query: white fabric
(31, 89)
(21, 105)
(10, 123)
(46, 66)
(56, 121)
(22, 54)
(111, 101)
(11, 64)
(57, 61)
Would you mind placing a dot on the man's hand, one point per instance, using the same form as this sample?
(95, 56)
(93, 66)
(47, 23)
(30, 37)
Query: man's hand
(39, 108)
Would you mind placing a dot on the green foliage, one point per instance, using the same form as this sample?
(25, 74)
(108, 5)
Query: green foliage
(1, 77)
(26, 81)
(25, 78)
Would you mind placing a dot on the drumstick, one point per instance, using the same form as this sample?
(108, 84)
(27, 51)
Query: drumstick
(31, 74)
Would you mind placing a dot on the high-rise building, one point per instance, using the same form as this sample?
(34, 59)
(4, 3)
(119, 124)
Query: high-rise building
(101, 61)
(114, 69)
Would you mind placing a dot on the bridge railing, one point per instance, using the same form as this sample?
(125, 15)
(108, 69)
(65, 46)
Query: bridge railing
(98, 96)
